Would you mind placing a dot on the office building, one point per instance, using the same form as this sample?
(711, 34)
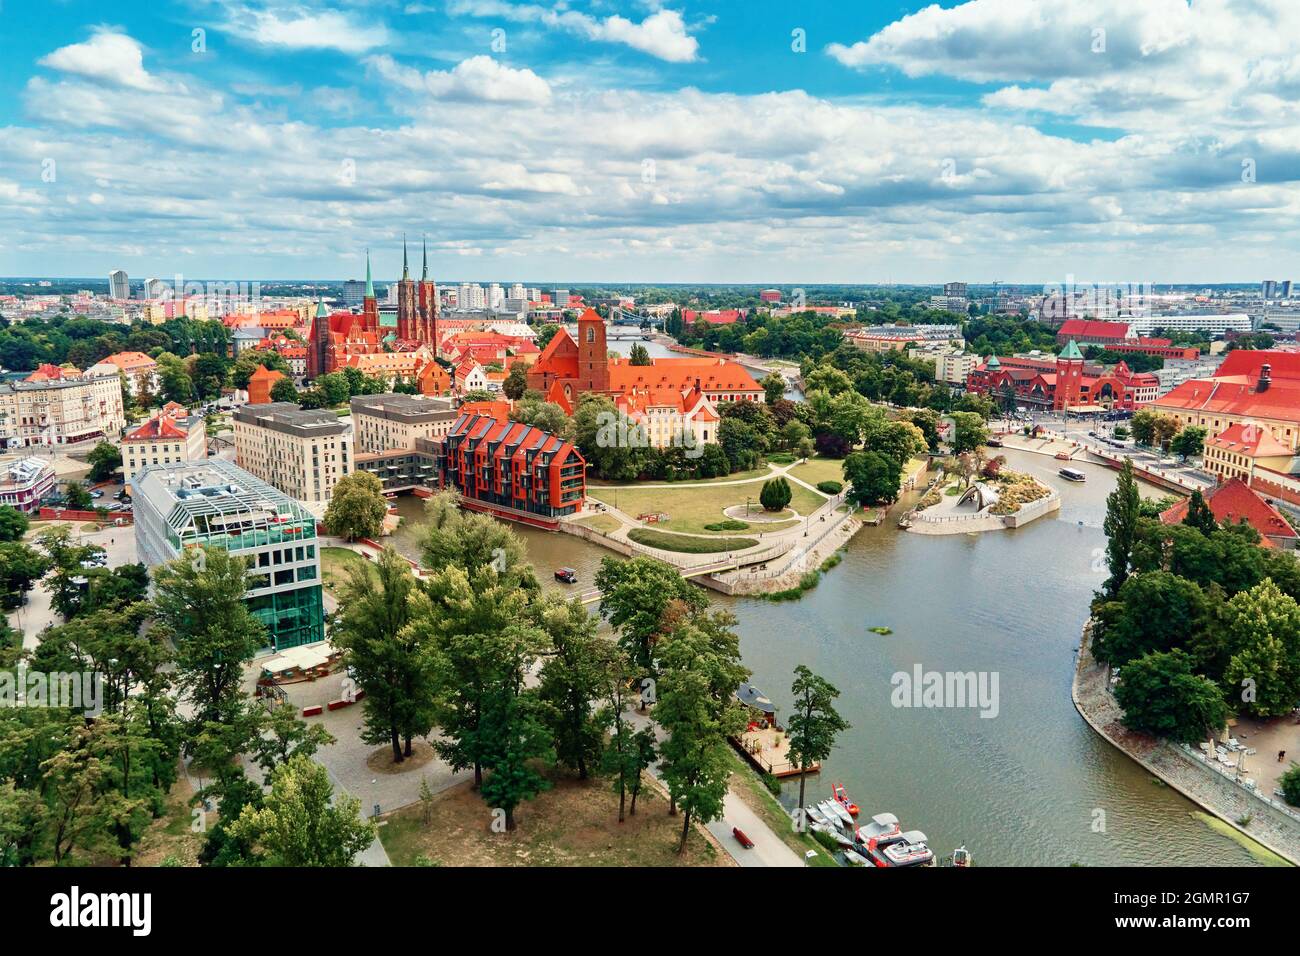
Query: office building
(301, 452)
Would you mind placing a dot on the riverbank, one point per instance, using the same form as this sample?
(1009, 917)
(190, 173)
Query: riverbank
(1251, 817)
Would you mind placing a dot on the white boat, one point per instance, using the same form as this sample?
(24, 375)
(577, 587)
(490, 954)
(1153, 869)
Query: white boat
(840, 812)
(856, 859)
(911, 850)
(835, 833)
(883, 826)
(815, 815)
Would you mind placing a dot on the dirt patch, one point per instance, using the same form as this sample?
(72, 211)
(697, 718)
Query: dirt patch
(171, 839)
(381, 760)
(575, 823)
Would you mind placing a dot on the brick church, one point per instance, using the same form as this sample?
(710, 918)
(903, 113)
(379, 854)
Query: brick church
(341, 339)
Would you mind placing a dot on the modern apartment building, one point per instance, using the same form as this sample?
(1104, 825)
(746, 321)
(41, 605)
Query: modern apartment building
(119, 286)
(393, 421)
(60, 408)
(24, 482)
(1192, 322)
(302, 453)
(216, 504)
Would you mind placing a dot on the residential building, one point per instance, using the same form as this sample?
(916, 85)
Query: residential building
(387, 422)
(1233, 502)
(181, 508)
(170, 437)
(24, 482)
(511, 469)
(55, 406)
(119, 286)
(140, 370)
(1191, 322)
(1250, 387)
(1238, 450)
(301, 452)
(954, 367)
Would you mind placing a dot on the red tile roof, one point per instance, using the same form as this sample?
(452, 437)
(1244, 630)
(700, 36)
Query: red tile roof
(1091, 329)
(1231, 502)
(1250, 440)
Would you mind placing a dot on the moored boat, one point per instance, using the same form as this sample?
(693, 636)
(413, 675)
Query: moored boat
(1072, 474)
(842, 798)
(840, 812)
(816, 815)
(855, 859)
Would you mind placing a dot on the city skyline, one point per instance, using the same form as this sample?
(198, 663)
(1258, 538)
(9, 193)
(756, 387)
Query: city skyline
(641, 142)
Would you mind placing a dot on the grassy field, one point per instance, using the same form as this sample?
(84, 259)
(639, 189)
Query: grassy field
(605, 524)
(572, 824)
(690, 509)
(334, 563)
(736, 476)
(817, 469)
(666, 541)
(170, 839)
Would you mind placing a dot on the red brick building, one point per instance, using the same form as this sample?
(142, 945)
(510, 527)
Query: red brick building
(1064, 382)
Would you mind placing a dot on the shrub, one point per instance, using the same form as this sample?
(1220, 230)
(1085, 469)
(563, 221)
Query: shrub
(731, 524)
(776, 494)
(830, 487)
(1290, 785)
(667, 541)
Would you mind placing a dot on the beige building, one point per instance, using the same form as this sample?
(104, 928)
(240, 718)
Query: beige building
(302, 453)
(953, 367)
(166, 439)
(389, 422)
(62, 410)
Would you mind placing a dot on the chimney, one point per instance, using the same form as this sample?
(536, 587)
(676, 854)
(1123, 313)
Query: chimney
(1265, 377)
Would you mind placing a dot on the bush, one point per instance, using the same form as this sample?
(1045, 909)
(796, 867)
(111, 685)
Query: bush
(830, 487)
(667, 541)
(731, 524)
(826, 840)
(1290, 784)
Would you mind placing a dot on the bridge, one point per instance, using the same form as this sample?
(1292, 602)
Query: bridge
(702, 573)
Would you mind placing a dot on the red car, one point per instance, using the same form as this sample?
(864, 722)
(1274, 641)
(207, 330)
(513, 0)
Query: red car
(741, 838)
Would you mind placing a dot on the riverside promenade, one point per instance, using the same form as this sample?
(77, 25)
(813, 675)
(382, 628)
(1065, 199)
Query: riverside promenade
(1258, 819)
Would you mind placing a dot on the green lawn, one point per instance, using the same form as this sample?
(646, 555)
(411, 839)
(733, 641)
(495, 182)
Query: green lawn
(735, 476)
(690, 509)
(817, 469)
(605, 524)
(667, 541)
(334, 563)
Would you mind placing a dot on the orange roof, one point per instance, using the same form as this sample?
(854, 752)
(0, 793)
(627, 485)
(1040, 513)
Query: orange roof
(1234, 501)
(130, 361)
(1235, 396)
(1253, 441)
(158, 427)
(713, 375)
(498, 410)
(262, 373)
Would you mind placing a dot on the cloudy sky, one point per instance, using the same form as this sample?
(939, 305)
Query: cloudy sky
(593, 140)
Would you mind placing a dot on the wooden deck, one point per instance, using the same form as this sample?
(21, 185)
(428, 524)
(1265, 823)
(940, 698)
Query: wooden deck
(760, 748)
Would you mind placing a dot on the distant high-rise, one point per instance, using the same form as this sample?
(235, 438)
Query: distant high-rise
(155, 289)
(561, 298)
(119, 286)
(1268, 289)
(354, 292)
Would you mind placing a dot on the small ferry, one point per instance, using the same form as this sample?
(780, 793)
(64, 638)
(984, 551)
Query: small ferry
(566, 575)
(1072, 474)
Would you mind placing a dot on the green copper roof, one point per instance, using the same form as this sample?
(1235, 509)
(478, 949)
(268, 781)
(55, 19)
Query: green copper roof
(1071, 351)
(406, 271)
(321, 311)
(370, 285)
(993, 362)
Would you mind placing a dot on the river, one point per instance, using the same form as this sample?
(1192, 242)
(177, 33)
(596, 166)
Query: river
(1031, 786)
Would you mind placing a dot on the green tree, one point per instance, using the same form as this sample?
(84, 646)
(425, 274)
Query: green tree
(1199, 515)
(104, 459)
(1289, 783)
(814, 723)
(199, 605)
(1161, 695)
(970, 431)
(1123, 506)
(516, 382)
(1261, 631)
(775, 494)
(1189, 442)
(629, 752)
(392, 661)
(283, 735)
(13, 524)
(640, 355)
(78, 496)
(302, 822)
(284, 391)
(1160, 611)
(636, 596)
(20, 568)
(773, 388)
(873, 478)
(571, 680)
(900, 441)
(357, 507)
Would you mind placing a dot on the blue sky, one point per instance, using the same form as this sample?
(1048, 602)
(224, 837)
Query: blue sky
(760, 141)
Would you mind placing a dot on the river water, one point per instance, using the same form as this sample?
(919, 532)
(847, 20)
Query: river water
(1032, 785)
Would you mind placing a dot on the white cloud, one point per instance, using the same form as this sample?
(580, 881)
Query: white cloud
(107, 57)
(478, 78)
(302, 28)
(662, 34)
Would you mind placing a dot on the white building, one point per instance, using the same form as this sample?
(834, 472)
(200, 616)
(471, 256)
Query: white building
(1209, 324)
(301, 452)
(119, 286)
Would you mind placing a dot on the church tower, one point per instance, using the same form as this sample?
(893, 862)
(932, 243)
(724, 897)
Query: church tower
(593, 354)
(369, 307)
(318, 348)
(407, 317)
(428, 303)
(1069, 377)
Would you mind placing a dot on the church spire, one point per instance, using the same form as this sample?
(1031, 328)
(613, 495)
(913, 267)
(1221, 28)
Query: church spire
(321, 311)
(406, 271)
(370, 285)
(424, 272)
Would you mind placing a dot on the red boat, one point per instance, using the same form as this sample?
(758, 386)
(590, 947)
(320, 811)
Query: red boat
(842, 798)
(741, 838)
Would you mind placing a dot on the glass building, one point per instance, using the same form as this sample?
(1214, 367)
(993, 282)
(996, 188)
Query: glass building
(217, 504)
